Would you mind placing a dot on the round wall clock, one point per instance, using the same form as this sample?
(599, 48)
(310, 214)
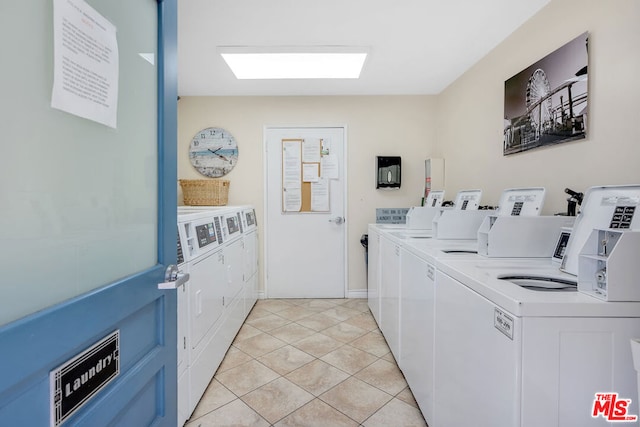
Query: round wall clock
(213, 152)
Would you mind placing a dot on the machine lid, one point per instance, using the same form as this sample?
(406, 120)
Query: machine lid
(521, 201)
(468, 200)
(611, 206)
(542, 283)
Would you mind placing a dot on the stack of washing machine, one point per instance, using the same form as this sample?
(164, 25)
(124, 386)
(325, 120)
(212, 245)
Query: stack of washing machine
(216, 300)
(517, 340)
(508, 336)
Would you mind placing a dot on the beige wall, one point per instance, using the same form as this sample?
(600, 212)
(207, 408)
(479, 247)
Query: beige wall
(470, 111)
(463, 124)
(376, 125)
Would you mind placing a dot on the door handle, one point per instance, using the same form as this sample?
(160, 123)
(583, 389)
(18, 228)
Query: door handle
(338, 220)
(173, 278)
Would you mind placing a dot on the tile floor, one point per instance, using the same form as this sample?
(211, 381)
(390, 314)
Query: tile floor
(308, 362)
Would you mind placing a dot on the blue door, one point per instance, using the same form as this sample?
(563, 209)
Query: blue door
(88, 222)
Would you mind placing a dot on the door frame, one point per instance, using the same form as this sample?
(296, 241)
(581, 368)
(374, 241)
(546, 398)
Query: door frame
(265, 278)
(24, 375)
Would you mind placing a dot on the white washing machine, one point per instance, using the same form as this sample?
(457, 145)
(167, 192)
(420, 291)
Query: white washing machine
(394, 246)
(391, 241)
(424, 217)
(417, 312)
(417, 290)
(410, 309)
(520, 357)
(405, 265)
(528, 356)
(385, 243)
(375, 260)
(381, 285)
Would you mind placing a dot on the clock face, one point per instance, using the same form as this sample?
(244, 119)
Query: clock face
(213, 152)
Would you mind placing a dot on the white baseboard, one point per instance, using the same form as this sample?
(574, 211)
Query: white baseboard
(358, 293)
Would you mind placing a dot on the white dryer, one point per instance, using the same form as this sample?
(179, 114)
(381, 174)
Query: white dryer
(201, 236)
(234, 288)
(182, 328)
(216, 304)
(199, 301)
(250, 256)
(233, 231)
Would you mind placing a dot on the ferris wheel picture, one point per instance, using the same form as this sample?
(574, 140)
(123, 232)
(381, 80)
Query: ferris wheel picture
(538, 100)
(546, 103)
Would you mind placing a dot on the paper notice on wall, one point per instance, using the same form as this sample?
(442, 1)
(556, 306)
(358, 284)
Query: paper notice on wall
(329, 167)
(311, 150)
(291, 163)
(291, 176)
(320, 195)
(310, 172)
(85, 62)
(291, 197)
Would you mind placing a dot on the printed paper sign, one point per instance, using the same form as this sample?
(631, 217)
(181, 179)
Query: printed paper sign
(85, 63)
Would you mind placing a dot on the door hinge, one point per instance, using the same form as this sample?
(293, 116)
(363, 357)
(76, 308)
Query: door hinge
(184, 342)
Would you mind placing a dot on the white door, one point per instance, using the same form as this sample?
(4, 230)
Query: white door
(305, 251)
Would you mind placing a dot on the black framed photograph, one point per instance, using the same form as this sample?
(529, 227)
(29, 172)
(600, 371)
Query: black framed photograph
(546, 103)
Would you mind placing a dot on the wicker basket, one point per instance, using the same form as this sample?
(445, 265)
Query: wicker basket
(205, 192)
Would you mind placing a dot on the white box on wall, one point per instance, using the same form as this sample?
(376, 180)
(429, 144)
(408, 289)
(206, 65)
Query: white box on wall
(433, 176)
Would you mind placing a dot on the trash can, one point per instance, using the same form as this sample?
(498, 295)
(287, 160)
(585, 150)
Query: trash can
(364, 241)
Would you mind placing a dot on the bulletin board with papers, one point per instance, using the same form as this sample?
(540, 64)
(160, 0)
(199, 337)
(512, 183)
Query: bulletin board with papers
(307, 168)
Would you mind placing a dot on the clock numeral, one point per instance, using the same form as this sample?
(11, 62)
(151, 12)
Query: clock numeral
(196, 143)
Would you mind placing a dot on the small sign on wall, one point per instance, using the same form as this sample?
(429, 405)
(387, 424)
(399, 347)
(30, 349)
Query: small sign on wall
(76, 381)
(391, 216)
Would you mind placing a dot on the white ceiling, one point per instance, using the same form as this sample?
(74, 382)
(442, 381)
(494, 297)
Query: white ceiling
(416, 46)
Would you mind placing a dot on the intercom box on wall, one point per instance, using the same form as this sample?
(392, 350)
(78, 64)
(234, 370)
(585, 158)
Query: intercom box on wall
(388, 172)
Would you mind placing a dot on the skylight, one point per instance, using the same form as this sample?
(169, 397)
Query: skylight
(294, 63)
